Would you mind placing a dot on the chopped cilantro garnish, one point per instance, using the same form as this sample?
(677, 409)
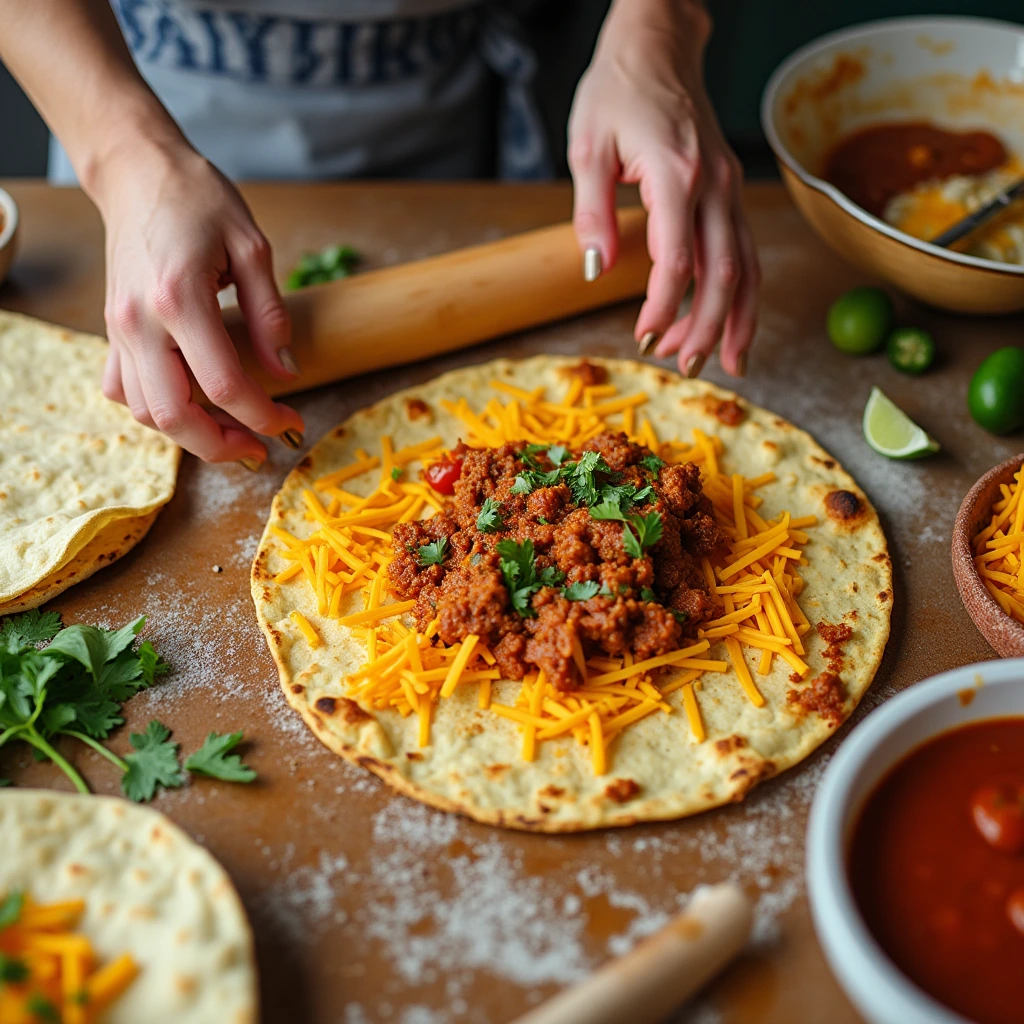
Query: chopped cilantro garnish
(474, 559)
(580, 475)
(396, 472)
(529, 480)
(680, 617)
(543, 521)
(528, 455)
(557, 453)
(42, 1009)
(652, 464)
(607, 509)
(646, 594)
(489, 520)
(12, 970)
(327, 265)
(519, 571)
(433, 553)
(153, 763)
(582, 591)
(214, 759)
(10, 908)
(647, 533)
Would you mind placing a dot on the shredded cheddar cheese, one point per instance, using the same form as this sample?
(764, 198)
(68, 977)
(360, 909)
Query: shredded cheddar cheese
(999, 550)
(49, 969)
(754, 581)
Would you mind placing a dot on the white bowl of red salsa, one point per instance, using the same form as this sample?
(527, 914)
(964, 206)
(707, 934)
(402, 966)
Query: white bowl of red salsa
(915, 860)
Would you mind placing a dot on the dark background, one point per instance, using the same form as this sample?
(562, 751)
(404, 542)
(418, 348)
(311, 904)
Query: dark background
(750, 39)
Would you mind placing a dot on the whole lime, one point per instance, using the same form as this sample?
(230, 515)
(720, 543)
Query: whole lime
(996, 394)
(859, 321)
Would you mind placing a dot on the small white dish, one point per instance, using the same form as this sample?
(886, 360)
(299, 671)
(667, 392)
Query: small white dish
(883, 995)
(8, 232)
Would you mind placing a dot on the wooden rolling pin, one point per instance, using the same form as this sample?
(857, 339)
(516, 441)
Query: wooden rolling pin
(646, 985)
(416, 310)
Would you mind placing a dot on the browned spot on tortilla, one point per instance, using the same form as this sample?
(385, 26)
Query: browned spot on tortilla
(185, 984)
(827, 463)
(553, 791)
(748, 777)
(494, 770)
(730, 744)
(590, 373)
(688, 927)
(298, 688)
(965, 696)
(844, 508)
(352, 713)
(727, 411)
(338, 432)
(77, 869)
(825, 695)
(884, 596)
(414, 755)
(305, 463)
(834, 637)
(374, 765)
(621, 790)
(854, 589)
(544, 809)
(880, 557)
(770, 445)
(416, 409)
(326, 705)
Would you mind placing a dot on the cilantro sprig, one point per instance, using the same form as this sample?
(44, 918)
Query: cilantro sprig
(490, 518)
(215, 760)
(433, 553)
(648, 532)
(75, 687)
(584, 590)
(519, 571)
(329, 264)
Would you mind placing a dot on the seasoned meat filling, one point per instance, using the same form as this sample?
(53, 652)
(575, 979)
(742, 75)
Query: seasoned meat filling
(544, 547)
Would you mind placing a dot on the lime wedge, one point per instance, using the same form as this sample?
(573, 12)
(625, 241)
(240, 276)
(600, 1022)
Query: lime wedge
(891, 432)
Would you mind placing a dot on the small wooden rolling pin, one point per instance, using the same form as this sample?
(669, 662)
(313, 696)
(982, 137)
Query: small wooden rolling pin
(647, 984)
(416, 310)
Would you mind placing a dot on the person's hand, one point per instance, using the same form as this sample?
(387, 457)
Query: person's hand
(177, 232)
(641, 116)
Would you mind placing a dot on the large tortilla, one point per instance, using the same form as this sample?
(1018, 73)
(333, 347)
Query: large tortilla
(71, 462)
(149, 891)
(473, 764)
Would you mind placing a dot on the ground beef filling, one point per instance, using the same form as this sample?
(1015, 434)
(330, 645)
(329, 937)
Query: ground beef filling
(467, 592)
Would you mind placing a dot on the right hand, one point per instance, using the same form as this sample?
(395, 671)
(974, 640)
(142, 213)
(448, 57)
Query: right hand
(178, 232)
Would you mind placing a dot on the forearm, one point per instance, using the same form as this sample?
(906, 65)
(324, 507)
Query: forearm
(71, 59)
(641, 28)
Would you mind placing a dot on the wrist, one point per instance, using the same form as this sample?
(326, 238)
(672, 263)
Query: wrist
(634, 26)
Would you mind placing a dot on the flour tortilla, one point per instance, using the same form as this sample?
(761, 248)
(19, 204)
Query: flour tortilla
(473, 764)
(71, 462)
(112, 542)
(149, 891)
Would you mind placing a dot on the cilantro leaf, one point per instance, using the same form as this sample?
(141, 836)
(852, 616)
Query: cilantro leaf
(215, 760)
(582, 591)
(681, 617)
(151, 663)
(396, 472)
(12, 970)
(646, 594)
(652, 464)
(607, 510)
(557, 453)
(529, 480)
(97, 719)
(648, 532)
(329, 264)
(10, 908)
(529, 452)
(93, 647)
(519, 571)
(153, 763)
(580, 477)
(433, 553)
(42, 1009)
(30, 627)
(490, 518)
(5, 782)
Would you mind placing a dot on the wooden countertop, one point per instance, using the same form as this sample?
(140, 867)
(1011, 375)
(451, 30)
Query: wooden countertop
(366, 906)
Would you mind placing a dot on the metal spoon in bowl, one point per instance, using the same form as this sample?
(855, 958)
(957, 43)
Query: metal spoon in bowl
(982, 215)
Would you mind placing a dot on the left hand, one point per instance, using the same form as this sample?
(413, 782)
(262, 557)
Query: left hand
(641, 116)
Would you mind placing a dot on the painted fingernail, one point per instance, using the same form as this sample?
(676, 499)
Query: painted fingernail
(695, 364)
(253, 465)
(290, 437)
(591, 264)
(647, 342)
(288, 360)
(741, 365)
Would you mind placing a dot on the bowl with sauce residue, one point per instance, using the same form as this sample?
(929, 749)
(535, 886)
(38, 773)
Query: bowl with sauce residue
(915, 852)
(861, 118)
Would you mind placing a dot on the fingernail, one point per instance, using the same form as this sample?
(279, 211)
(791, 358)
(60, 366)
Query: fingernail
(290, 437)
(288, 360)
(647, 341)
(741, 365)
(591, 264)
(695, 364)
(253, 465)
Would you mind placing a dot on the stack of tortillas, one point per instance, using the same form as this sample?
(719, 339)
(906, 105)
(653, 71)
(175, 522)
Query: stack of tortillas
(80, 481)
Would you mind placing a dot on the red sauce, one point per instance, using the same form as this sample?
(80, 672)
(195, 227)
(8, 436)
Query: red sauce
(943, 896)
(879, 162)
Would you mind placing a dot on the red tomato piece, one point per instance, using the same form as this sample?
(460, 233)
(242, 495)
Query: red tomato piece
(443, 474)
(998, 813)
